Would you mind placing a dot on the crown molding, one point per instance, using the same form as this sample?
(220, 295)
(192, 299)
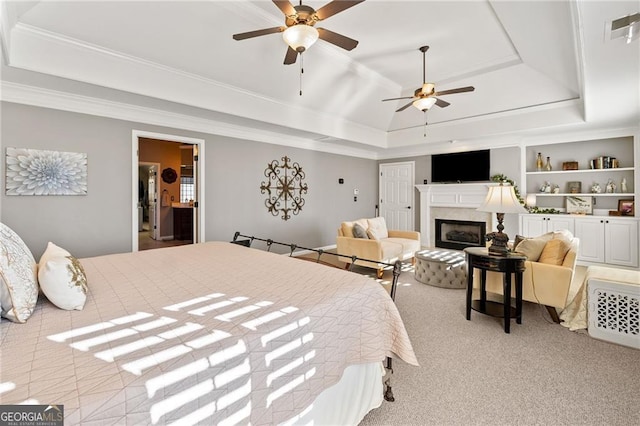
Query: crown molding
(58, 55)
(46, 98)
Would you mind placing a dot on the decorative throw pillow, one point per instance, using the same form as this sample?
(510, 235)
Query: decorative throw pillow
(518, 240)
(377, 228)
(359, 231)
(531, 247)
(18, 279)
(554, 251)
(347, 227)
(62, 278)
(563, 234)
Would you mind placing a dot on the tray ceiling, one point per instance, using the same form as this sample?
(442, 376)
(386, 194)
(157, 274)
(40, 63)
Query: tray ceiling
(536, 66)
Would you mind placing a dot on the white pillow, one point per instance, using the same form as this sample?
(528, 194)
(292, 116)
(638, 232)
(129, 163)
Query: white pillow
(377, 228)
(62, 278)
(18, 279)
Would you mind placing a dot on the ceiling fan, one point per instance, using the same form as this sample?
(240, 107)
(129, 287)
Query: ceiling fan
(299, 31)
(426, 96)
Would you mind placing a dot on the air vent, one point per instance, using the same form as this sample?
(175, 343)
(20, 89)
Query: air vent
(627, 28)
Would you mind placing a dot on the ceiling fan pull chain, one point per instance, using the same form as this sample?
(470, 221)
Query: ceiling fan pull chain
(425, 124)
(301, 71)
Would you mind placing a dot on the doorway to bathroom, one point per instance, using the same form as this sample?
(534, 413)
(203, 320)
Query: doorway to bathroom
(167, 188)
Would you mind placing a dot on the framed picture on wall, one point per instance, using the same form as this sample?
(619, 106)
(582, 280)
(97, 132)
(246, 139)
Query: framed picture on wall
(580, 205)
(43, 172)
(626, 207)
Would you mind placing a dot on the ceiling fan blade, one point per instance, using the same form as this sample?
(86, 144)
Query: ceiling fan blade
(285, 6)
(334, 7)
(337, 39)
(405, 107)
(441, 103)
(290, 57)
(397, 99)
(257, 33)
(458, 90)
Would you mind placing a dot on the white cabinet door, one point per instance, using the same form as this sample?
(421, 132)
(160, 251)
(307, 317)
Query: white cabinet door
(534, 225)
(558, 223)
(590, 231)
(621, 242)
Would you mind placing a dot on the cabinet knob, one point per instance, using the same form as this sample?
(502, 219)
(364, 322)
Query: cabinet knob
(601, 221)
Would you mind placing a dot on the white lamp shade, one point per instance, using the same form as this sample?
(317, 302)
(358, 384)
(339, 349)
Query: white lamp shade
(300, 37)
(424, 103)
(531, 200)
(501, 199)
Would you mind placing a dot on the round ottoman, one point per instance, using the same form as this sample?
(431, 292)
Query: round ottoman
(441, 268)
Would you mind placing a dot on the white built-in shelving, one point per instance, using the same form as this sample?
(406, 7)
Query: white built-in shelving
(612, 240)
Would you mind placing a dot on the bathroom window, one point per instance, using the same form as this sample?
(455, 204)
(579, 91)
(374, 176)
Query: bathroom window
(187, 189)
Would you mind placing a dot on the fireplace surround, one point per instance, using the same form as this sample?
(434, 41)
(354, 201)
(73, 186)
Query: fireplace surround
(454, 202)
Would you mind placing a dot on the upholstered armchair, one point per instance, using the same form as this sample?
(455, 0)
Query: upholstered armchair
(548, 274)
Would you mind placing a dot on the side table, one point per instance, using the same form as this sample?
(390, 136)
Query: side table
(513, 263)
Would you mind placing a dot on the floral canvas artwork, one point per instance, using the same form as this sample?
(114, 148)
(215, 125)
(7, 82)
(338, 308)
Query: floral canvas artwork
(40, 172)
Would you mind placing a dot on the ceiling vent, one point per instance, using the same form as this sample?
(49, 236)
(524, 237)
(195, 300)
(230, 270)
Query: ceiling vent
(627, 28)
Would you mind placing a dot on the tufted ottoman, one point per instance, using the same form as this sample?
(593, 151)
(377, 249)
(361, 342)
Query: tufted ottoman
(441, 268)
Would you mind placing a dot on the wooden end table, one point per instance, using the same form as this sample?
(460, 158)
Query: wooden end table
(513, 263)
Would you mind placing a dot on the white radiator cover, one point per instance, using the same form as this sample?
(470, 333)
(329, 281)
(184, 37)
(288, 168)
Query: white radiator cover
(614, 312)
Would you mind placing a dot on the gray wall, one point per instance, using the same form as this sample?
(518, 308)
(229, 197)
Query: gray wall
(100, 222)
(504, 161)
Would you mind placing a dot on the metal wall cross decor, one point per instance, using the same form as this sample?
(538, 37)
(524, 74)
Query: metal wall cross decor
(284, 188)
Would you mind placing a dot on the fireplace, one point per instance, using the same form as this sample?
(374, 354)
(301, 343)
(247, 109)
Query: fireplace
(460, 234)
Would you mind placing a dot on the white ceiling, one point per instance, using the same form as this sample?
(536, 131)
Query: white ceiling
(537, 67)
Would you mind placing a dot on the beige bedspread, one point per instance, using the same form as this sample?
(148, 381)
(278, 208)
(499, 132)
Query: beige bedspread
(211, 333)
(575, 315)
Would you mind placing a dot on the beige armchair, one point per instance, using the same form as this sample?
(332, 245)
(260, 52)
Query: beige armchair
(377, 243)
(543, 283)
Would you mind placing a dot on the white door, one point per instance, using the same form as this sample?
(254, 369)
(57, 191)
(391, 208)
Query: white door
(153, 203)
(196, 201)
(396, 195)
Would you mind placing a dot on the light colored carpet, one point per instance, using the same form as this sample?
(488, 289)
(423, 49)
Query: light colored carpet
(472, 373)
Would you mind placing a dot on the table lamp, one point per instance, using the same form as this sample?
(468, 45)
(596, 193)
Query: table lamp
(501, 199)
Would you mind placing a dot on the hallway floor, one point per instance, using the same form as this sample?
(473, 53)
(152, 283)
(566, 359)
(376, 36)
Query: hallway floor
(145, 242)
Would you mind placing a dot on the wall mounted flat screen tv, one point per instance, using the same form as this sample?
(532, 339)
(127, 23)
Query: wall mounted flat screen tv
(470, 166)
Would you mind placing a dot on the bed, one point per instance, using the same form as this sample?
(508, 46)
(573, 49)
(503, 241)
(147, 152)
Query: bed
(211, 333)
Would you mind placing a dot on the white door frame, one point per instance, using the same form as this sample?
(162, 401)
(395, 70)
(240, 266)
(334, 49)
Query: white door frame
(199, 213)
(412, 216)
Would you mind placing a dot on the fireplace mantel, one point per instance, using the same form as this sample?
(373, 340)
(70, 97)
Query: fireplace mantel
(454, 195)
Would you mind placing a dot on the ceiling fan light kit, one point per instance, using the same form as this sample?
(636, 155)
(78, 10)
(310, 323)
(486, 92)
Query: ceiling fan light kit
(426, 96)
(300, 37)
(299, 31)
(423, 104)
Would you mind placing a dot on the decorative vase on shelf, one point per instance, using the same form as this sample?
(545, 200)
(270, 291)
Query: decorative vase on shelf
(547, 166)
(611, 187)
(539, 164)
(623, 185)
